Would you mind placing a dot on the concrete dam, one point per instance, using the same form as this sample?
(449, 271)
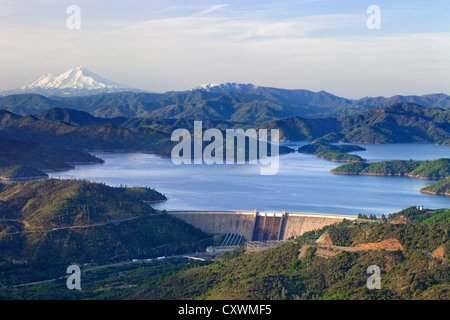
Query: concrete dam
(258, 226)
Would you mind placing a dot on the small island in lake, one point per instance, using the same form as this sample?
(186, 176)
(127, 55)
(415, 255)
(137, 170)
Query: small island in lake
(339, 153)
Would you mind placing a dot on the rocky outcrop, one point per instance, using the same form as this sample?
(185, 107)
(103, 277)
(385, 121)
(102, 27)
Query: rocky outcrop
(439, 253)
(325, 239)
(389, 244)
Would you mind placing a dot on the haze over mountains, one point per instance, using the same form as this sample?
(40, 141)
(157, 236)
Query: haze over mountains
(80, 89)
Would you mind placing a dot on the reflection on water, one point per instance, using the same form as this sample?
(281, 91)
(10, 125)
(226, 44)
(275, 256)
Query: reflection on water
(303, 183)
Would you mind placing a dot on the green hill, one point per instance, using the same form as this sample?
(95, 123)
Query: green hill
(53, 203)
(24, 104)
(49, 223)
(400, 122)
(340, 156)
(83, 137)
(21, 159)
(333, 152)
(17, 172)
(417, 215)
(436, 169)
(441, 187)
(326, 147)
(78, 118)
(298, 129)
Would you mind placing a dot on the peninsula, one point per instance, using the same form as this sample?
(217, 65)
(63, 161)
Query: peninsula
(436, 169)
(442, 187)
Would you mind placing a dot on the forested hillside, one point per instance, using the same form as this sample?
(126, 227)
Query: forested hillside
(49, 224)
(406, 122)
(230, 102)
(410, 247)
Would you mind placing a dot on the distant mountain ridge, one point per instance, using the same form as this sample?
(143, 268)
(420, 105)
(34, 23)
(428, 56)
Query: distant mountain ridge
(83, 90)
(259, 106)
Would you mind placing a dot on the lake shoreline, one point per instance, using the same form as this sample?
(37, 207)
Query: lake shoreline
(435, 193)
(389, 175)
(303, 183)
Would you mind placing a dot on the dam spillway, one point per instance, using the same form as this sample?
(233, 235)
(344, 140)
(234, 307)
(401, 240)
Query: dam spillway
(258, 226)
(267, 226)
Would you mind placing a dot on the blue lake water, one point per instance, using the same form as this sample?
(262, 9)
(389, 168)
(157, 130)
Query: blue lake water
(303, 183)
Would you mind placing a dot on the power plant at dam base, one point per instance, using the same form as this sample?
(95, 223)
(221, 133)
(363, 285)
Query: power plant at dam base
(258, 226)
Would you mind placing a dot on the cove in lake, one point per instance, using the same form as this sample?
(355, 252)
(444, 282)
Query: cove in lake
(303, 183)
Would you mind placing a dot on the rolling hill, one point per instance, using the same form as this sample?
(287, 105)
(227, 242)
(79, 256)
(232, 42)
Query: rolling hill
(399, 122)
(82, 137)
(28, 159)
(52, 222)
(441, 187)
(339, 153)
(436, 169)
(78, 118)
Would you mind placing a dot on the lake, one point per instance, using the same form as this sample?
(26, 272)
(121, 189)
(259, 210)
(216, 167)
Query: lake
(303, 183)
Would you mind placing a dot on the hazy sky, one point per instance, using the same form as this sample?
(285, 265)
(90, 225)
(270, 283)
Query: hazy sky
(176, 45)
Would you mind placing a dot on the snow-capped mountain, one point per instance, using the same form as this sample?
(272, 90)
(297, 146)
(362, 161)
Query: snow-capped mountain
(74, 82)
(227, 86)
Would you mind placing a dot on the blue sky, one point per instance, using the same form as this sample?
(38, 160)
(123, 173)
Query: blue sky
(177, 45)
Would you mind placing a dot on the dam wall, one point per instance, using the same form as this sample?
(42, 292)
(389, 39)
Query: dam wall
(296, 224)
(258, 226)
(220, 222)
